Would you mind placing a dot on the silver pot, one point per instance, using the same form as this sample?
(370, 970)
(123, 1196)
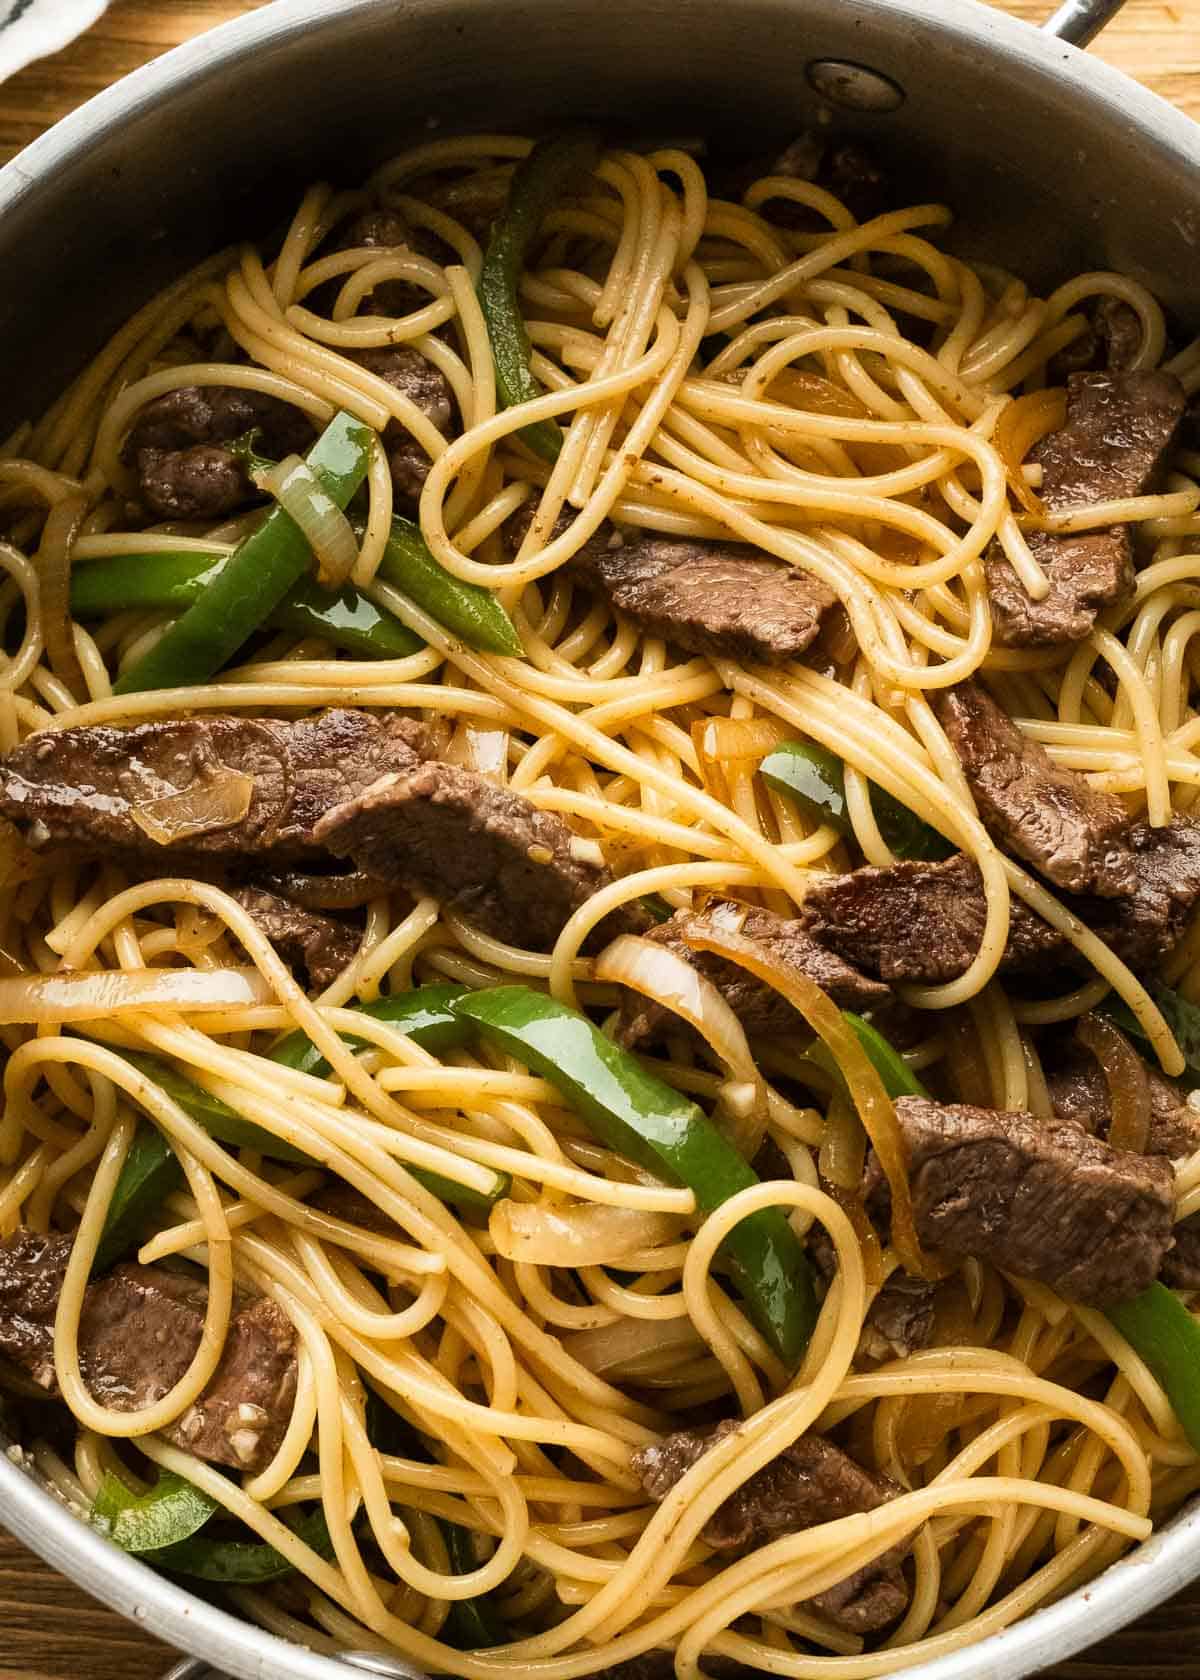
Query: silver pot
(1056, 163)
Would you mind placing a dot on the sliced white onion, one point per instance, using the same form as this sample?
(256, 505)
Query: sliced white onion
(635, 1346)
(587, 1235)
(665, 977)
(214, 801)
(483, 750)
(39, 998)
(329, 533)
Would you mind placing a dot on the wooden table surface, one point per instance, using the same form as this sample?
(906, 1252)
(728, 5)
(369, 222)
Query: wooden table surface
(48, 1629)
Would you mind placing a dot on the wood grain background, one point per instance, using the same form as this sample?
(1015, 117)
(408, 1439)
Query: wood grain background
(48, 1629)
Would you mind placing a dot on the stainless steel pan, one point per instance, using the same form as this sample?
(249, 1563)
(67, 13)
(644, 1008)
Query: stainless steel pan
(1056, 164)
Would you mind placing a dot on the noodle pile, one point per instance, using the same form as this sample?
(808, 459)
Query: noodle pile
(833, 394)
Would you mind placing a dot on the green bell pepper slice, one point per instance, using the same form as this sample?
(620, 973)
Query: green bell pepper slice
(537, 182)
(256, 577)
(1158, 1326)
(346, 617)
(816, 779)
(465, 609)
(169, 1513)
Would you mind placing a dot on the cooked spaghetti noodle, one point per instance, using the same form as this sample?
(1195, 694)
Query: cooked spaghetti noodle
(839, 394)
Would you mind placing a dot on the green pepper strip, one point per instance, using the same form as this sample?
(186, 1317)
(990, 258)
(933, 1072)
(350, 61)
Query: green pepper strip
(425, 1016)
(816, 779)
(1159, 1328)
(1182, 1016)
(347, 618)
(169, 1513)
(257, 576)
(898, 1078)
(634, 1112)
(537, 182)
(242, 1563)
(465, 609)
(472, 1624)
(149, 1173)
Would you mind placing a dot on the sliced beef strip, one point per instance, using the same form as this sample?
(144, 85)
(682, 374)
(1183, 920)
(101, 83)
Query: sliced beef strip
(1079, 1091)
(416, 378)
(1118, 431)
(138, 1333)
(80, 786)
(763, 1012)
(712, 597)
(848, 170)
(1181, 1268)
(900, 1320)
(176, 447)
(810, 1482)
(1146, 925)
(32, 1268)
(342, 1201)
(504, 866)
(922, 922)
(320, 944)
(1111, 342)
(384, 230)
(1052, 818)
(1040, 1198)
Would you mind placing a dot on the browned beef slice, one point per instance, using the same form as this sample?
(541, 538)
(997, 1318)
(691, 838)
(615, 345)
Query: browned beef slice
(1118, 430)
(922, 922)
(176, 450)
(387, 230)
(80, 786)
(414, 377)
(303, 938)
(1181, 1268)
(138, 1333)
(763, 1012)
(845, 168)
(900, 1319)
(1143, 927)
(719, 598)
(241, 1416)
(486, 853)
(1052, 818)
(1079, 1091)
(1037, 1197)
(812, 1481)
(1112, 341)
(32, 1268)
(1086, 571)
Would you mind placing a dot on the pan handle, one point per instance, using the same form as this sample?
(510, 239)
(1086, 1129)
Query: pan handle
(1080, 21)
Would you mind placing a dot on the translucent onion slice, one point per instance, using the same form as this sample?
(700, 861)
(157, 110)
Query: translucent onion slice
(1127, 1080)
(587, 1235)
(634, 1347)
(1024, 422)
(52, 562)
(36, 999)
(483, 750)
(330, 535)
(214, 801)
(665, 977)
(866, 1089)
